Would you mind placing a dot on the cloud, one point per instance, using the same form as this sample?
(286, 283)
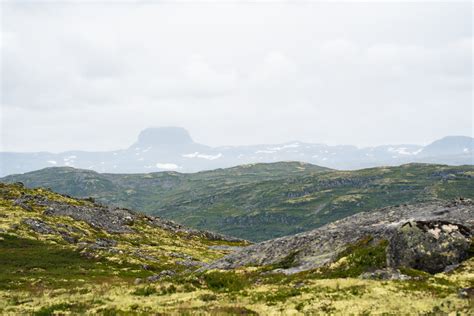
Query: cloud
(233, 73)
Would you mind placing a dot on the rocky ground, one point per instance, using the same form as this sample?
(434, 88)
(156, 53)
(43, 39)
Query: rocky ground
(429, 237)
(60, 255)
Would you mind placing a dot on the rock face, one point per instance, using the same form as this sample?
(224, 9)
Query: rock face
(430, 246)
(439, 236)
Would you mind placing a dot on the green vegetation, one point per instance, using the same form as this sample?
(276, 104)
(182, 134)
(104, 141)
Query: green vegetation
(43, 274)
(358, 258)
(225, 281)
(51, 265)
(260, 201)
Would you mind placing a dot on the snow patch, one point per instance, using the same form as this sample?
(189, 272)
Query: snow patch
(167, 166)
(403, 151)
(202, 156)
(53, 162)
(294, 145)
(265, 151)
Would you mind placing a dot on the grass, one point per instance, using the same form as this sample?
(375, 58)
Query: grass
(34, 264)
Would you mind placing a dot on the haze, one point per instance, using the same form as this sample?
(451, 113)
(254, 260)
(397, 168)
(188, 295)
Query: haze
(91, 76)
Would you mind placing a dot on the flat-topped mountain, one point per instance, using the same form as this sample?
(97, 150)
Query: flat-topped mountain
(172, 148)
(163, 136)
(260, 201)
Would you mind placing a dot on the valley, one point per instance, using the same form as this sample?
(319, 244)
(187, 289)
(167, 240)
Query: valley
(260, 201)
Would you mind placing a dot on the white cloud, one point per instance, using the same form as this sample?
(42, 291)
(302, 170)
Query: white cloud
(313, 72)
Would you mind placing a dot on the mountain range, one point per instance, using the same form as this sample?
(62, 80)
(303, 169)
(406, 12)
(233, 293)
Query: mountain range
(172, 148)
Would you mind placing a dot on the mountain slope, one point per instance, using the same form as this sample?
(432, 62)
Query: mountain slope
(172, 148)
(262, 201)
(60, 255)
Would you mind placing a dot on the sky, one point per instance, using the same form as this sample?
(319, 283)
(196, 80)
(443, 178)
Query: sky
(91, 75)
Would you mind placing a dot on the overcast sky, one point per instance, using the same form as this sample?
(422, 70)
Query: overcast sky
(90, 76)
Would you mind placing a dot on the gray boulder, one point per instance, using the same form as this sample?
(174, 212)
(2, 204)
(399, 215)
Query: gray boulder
(451, 223)
(429, 246)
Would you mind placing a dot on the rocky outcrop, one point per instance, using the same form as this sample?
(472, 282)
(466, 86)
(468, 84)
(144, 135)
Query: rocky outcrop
(430, 246)
(439, 236)
(111, 219)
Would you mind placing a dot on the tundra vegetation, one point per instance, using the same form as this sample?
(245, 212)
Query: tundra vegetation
(260, 201)
(63, 255)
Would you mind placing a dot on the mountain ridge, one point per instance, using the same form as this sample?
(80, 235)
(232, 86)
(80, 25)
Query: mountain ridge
(260, 201)
(172, 148)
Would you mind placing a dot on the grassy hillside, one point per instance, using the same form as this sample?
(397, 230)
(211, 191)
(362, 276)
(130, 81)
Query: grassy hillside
(262, 201)
(130, 264)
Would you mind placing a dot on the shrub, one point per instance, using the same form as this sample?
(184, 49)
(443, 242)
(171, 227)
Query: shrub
(225, 281)
(145, 291)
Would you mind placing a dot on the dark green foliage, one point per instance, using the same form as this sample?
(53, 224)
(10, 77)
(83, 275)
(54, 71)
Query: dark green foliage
(217, 311)
(53, 309)
(225, 281)
(164, 290)
(282, 295)
(287, 262)
(414, 273)
(206, 297)
(145, 291)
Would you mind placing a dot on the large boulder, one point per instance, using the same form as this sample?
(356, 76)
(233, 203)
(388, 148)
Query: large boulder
(429, 246)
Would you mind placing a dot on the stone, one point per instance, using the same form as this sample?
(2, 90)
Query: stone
(39, 226)
(448, 240)
(161, 275)
(138, 281)
(466, 293)
(385, 274)
(429, 246)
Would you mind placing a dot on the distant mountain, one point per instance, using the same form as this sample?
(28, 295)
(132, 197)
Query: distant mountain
(260, 201)
(172, 148)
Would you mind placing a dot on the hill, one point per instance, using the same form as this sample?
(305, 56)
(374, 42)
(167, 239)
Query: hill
(173, 149)
(61, 255)
(260, 201)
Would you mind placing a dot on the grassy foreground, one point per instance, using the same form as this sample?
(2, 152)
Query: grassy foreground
(43, 274)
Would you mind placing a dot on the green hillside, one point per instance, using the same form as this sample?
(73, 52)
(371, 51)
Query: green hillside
(63, 256)
(261, 201)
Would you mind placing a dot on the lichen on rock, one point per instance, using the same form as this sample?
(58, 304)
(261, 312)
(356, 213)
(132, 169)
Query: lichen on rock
(429, 246)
